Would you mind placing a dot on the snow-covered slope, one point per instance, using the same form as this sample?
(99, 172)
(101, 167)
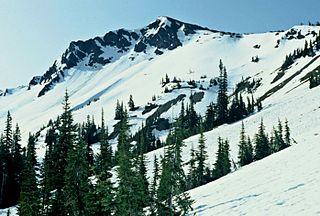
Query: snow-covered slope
(286, 183)
(197, 52)
(100, 71)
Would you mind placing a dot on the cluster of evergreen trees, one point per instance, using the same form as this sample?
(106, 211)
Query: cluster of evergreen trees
(250, 150)
(218, 113)
(314, 79)
(12, 160)
(308, 50)
(221, 112)
(71, 181)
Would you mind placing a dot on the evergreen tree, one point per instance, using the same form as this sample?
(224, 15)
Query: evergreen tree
(192, 175)
(76, 187)
(48, 172)
(141, 172)
(210, 118)
(104, 158)
(127, 202)
(103, 193)
(7, 139)
(279, 143)
(222, 166)
(262, 147)
(154, 186)
(192, 123)
(174, 201)
(245, 154)
(17, 161)
(201, 159)
(287, 134)
(66, 139)
(131, 104)
(249, 151)
(222, 100)
(242, 147)
(29, 202)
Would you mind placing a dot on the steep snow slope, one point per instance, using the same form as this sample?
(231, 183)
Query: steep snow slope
(93, 88)
(286, 183)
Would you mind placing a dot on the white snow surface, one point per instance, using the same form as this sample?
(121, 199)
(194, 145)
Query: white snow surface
(286, 183)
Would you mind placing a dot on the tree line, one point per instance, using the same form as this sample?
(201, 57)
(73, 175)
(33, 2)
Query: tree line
(308, 50)
(72, 181)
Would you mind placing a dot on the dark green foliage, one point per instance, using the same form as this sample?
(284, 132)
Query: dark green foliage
(289, 60)
(287, 136)
(141, 174)
(89, 134)
(66, 139)
(210, 118)
(154, 186)
(128, 201)
(238, 109)
(247, 85)
(119, 113)
(262, 146)
(192, 121)
(47, 171)
(222, 100)
(10, 169)
(314, 79)
(201, 157)
(192, 175)
(29, 202)
(76, 188)
(308, 50)
(245, 155)
(222, 166)
(131, 104)
(174, 201)
(17, 158)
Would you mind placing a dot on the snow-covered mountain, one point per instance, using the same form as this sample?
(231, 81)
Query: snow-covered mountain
(99, 71)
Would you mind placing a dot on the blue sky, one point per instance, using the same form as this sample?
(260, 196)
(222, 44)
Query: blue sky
(34, 33)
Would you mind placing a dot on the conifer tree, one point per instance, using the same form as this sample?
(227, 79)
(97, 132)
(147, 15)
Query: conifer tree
(154, 186)
(249, 151)
(222, 100)
(192, 175)
(76, 187)
(245, 155)
(103, 194)
(242, 147)
(262, 147)
(66, 139)
(209, 121)
(174, 201)
(222, 166)
(156, 176)
(287, 137)
(141, 175)
(127, 202)
(104, 158)
(201, 159)
(29, 202)
(131, 104)
(17, 161)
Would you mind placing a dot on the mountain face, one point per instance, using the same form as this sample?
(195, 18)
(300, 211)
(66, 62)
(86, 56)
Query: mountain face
(99, 71)
(162, 34)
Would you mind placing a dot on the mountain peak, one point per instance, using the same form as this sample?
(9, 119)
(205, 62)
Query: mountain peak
(165, 33)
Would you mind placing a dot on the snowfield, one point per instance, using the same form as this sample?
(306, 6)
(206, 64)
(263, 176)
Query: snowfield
(285, 183)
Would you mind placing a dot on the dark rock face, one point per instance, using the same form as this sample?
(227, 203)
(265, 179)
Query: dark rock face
(161, 34)
(166, 36)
